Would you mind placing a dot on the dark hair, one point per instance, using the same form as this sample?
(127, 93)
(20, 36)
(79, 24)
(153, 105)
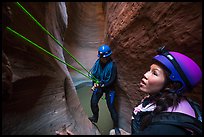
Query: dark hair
(166, 98)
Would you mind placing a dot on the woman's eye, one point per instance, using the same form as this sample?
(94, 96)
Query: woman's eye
(155, 73)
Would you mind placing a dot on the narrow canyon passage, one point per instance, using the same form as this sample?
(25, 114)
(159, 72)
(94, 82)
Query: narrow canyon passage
(42, 95)
(85, 33)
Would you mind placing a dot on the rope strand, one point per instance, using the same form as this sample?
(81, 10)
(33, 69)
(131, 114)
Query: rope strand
(45, 30)
(49, 53)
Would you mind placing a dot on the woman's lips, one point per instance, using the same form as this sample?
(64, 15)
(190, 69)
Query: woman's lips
(142, 83)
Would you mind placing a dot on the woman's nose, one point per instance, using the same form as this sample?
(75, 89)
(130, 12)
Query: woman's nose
(146, 75)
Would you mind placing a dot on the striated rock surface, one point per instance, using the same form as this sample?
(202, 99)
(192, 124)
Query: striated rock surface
(39, 91)
(136, 29)
(84, 35)
(38, 103)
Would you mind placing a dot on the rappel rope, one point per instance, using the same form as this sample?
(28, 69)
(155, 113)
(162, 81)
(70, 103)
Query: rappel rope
(45, 30)
(47, 52)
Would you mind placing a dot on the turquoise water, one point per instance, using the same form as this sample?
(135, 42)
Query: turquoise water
(105, 123)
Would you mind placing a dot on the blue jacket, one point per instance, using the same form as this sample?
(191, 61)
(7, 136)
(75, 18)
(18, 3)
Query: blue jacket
(105, 73)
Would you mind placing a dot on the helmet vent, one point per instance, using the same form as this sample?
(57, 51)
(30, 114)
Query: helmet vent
(162, 51)
(170, 57)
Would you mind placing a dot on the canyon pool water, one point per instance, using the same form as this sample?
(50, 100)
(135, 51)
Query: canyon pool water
(105, 123)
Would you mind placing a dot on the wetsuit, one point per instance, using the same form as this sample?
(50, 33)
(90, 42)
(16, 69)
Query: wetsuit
(107, 87)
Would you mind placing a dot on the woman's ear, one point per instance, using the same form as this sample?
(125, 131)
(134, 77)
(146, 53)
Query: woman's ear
(172, 86)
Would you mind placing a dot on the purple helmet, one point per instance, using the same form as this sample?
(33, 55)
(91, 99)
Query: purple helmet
(182, 68)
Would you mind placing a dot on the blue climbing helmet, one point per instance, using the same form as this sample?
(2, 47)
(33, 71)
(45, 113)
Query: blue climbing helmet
(182, 68)
(104, 51)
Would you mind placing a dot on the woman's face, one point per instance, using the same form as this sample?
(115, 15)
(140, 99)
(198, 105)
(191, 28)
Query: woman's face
(153, 80)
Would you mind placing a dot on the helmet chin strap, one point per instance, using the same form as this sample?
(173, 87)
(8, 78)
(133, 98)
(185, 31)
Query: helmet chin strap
(101, 56)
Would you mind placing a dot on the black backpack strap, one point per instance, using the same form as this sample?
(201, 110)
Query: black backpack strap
(196, 108)
(178, 119)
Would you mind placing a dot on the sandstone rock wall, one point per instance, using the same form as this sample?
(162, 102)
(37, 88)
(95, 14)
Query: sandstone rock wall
(37, 101)
(84, 35)
(135, 30)
(42, 101)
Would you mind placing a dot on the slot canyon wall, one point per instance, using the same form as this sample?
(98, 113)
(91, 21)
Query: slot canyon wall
(134, 30)
(84, 34)
(39, 95)
(42, 97)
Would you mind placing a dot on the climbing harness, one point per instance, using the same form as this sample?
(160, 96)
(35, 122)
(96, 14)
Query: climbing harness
(13, 31)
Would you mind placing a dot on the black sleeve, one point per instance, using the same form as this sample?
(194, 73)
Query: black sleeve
(162, 129)
(113, 76)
